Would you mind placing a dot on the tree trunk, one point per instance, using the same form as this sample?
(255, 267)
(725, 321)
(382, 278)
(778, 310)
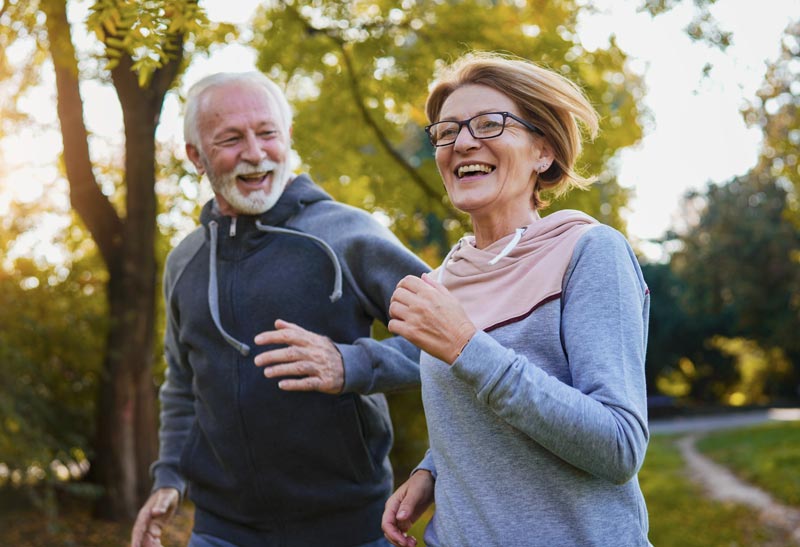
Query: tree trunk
(126, 426)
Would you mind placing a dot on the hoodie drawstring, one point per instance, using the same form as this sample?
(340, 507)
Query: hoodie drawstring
(213, 294)
(518, 233)
(213, 291)
(337, 268)
(510, 247)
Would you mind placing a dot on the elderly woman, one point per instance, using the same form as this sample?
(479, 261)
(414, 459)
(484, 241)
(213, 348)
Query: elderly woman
(533, 331)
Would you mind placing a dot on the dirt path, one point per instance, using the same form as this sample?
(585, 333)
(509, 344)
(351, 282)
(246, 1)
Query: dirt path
(721, 484)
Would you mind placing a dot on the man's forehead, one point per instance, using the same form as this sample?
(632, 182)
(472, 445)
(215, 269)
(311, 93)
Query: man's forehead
(238, 100)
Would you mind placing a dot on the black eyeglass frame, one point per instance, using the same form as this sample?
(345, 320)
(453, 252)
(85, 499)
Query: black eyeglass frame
(529, 126)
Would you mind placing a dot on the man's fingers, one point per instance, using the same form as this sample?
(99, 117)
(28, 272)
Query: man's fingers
(138, 531)
(310, 383)
(165, 502)
(281, 355)
(282, 324)
(154, 530)
(285, 336)
(286, 333)
(290, 369)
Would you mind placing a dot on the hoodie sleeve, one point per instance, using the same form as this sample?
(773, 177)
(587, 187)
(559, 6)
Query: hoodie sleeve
(176, 395)
(375, 262)
(599, 423)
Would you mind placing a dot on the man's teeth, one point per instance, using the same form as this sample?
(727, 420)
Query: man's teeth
(253, 176)
(465, 170)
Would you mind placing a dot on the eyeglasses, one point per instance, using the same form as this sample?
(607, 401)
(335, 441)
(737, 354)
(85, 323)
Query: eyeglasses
(482, 126)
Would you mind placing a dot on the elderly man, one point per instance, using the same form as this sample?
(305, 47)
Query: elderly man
(287, 447)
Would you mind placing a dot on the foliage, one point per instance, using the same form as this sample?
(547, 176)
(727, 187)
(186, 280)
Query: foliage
(703, 27)
(53, 321)
(680, 515)
(735, 264)
(759, 370)
(679, 361)
(358, 71)
(776, 111)
(767, 456)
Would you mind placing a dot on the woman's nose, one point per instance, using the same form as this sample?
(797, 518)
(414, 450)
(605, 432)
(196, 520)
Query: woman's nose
(465, 140)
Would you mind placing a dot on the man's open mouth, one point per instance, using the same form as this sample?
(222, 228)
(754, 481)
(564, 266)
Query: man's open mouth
(253, 178)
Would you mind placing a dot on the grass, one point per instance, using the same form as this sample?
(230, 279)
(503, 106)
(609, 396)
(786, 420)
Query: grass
(680, 515)
(767, 456)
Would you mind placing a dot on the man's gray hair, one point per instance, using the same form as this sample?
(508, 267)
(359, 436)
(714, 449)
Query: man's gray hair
(195, 95)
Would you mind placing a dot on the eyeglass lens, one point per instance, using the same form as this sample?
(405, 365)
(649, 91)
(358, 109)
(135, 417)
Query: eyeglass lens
(483, 126)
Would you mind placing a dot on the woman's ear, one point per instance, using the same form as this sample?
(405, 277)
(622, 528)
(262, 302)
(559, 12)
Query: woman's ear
(546, 155)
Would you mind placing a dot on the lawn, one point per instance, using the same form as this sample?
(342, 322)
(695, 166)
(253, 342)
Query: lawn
(680, 516)
(767, 456)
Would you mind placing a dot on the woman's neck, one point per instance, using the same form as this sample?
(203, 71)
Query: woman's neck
(493, 227)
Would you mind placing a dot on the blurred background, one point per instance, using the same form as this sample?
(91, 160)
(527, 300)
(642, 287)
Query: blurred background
(697, 163)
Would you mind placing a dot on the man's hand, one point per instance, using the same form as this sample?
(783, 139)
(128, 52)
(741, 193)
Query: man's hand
(405, 506)
(309, 355)
(153, 516)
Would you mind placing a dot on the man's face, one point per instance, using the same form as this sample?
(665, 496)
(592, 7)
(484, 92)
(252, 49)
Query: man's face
(243, 148)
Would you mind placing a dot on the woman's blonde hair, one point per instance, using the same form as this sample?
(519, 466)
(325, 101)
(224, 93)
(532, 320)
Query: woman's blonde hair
(548, 100)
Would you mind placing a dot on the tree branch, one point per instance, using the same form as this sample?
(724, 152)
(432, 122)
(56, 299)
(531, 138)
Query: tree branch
(89, 202)
(369, 120)
(381, 136)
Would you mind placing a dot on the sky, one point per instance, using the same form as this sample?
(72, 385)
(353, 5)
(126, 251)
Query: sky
(695, 133)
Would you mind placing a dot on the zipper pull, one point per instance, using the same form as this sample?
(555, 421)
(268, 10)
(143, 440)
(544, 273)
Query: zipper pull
(232, 231)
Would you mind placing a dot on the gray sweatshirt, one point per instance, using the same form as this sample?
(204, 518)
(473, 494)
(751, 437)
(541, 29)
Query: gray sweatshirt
(538, 429)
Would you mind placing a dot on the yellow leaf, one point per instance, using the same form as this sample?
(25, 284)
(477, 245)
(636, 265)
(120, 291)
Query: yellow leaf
(110, 26)
(144, 76)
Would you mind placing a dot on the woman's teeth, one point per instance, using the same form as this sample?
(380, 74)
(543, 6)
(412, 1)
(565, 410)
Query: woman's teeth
(466, 170)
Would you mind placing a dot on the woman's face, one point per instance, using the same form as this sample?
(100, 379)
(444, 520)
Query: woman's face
(492, 176)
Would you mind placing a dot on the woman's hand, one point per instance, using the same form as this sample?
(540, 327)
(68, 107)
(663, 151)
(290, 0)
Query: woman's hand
(425, 313)
(405, 507)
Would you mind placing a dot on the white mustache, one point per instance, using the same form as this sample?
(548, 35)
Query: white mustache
(264, 166)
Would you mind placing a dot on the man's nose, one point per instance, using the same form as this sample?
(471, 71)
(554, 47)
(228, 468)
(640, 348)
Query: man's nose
(253, 153)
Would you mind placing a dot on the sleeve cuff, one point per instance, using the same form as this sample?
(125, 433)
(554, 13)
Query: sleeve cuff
(357, 368)
(426, 465)
(482, 361)
(166, 477)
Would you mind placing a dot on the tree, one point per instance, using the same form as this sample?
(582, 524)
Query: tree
(142, 47)
(358, 73)
(735, 266)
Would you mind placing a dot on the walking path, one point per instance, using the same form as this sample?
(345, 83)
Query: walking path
(719, 482)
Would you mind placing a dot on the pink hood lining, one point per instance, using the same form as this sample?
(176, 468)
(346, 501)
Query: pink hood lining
(527, 277)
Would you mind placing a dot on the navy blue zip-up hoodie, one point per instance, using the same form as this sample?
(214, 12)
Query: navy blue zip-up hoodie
(264, 466)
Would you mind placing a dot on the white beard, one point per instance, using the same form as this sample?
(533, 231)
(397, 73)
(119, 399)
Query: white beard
(258, 201)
